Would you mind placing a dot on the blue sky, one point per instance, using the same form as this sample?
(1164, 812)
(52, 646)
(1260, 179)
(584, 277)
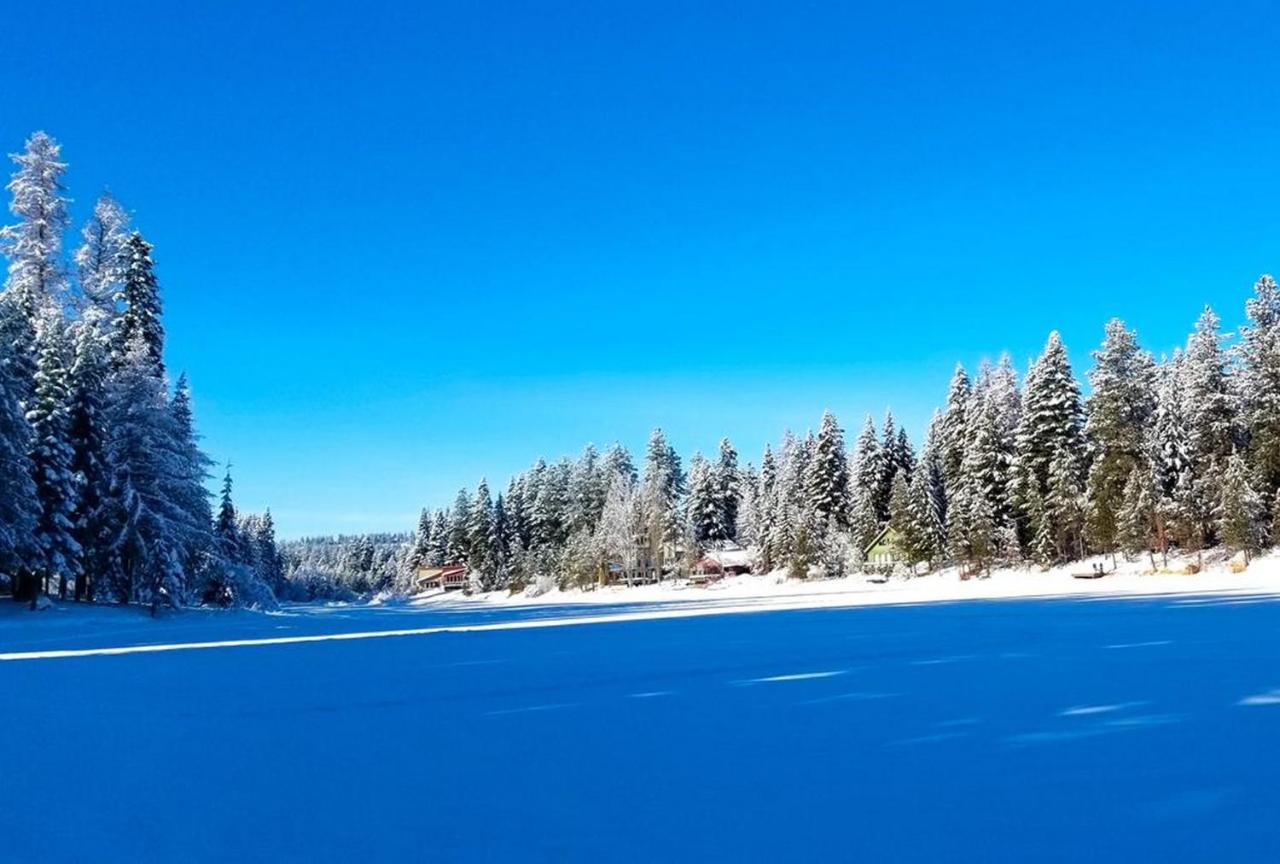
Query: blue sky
(405, 245)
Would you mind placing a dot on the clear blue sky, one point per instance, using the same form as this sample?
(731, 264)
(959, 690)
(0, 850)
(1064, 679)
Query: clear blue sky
(405, 245)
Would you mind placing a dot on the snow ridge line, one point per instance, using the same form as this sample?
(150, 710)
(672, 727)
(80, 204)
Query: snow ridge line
(68, 653)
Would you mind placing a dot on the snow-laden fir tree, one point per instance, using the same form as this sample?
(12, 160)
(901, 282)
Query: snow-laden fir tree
(1050, 428)
(52, 455)
(586, 491)
(481, 541)
(88, 438)
(184, 487)
(952, 431)
(1169, 452)
(661, 493)
(1120, 409)
(1260, 384)
(139, 298)
(459, 542)
(706, 517)
(1210, 409)
(728, 480)
(33, 244)
(1064, 506)
(1241, 511)
(827, 483)
(421, 553)
(767, 506)
(748, 527)
(100, 261)
(887, 468)
(18, 504)
(1136, 522)
(441, 532)
(864, 504)
(617, 460)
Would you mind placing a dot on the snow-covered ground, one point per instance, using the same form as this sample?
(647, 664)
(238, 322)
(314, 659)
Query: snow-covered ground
(1132, 725)
(775, 591)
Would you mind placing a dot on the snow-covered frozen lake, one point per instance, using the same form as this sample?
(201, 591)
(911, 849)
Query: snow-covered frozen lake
(1117, 729)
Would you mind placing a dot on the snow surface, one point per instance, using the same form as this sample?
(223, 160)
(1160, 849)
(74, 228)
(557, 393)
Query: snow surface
(1103, 727)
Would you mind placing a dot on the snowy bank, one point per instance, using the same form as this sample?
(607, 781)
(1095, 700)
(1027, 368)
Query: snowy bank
(775, 591)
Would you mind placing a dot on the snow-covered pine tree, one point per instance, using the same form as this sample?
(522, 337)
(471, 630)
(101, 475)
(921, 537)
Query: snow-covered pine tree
(1120, 409)
(952, 430)
(728, 488)
(500, 543)
(925, 537)
(1210, 409)
(18, 504)
(1136, 524)
(33, 245)
(184, 487)
(1051, 423)
(617, 460)
(88, 437)
(1260, 385)
(661, 493)
(748, 528)
(902, 520)
(1241, 510)
(481, 554)
(1169, 453)
(1064, 506)
(52, 455)
(100, 261)
(421, 552)
(459, 543)
(139, 297)
(705, 513)
(865, 511)
(226, 526)
(827, 483)
(767, 506)
(441, 531)
(888, 467)
(586, 491)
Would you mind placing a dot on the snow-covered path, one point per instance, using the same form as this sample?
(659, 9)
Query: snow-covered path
(990, 730)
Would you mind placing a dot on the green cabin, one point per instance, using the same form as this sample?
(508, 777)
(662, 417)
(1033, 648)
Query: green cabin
(884, 549)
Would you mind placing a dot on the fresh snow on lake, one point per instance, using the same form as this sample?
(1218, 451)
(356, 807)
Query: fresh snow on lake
(1095, 727)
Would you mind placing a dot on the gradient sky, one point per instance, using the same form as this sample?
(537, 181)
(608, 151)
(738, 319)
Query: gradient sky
(405, 245)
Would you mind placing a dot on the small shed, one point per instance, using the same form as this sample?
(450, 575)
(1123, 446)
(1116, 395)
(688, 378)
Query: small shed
(883, 550)
(448, 577)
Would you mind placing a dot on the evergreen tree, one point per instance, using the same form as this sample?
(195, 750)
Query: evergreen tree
(33, 245)
(706, 516)
(184, 485)
(728, 488)
(865, 515)
(421, 553)
(1241, 510)
(952, 430)
(88, 438)
(617, 461)
(663, 489)
(827, 483)
(1064, 506)
(1050, 427)
(1137, 516)
(481, 551)
(52, 456)
(18, 504)
(459, 542)
(1260, 355)
(441, 531)
(140, 298)
(1209, 407)
(100, 260)
(1120, 410)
